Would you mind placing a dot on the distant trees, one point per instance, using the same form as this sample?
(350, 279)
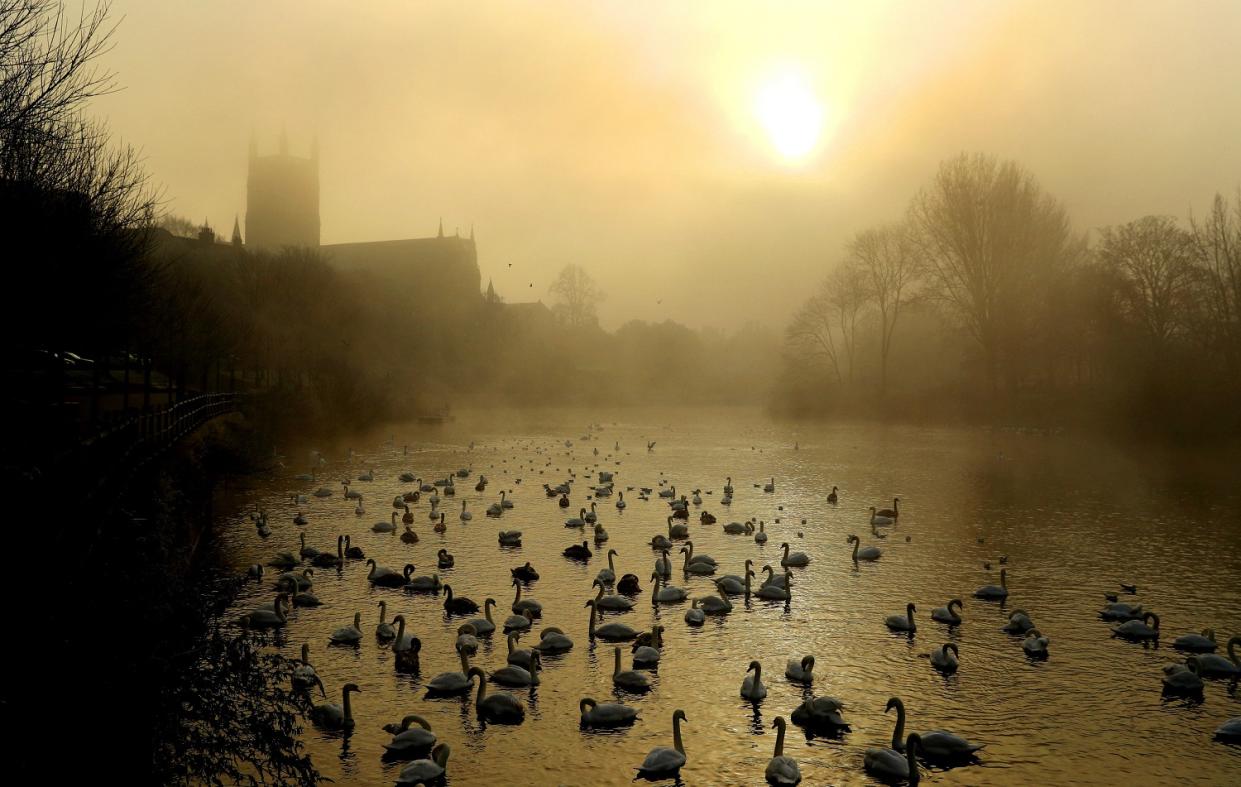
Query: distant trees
(993, 243)
(889, 261)
(1217, 243)
(1153, 259)
(826, 325)
(577, 295)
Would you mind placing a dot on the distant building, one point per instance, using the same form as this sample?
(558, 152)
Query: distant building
(282, 199)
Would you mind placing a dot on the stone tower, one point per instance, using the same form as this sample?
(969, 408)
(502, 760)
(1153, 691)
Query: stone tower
(282, 198)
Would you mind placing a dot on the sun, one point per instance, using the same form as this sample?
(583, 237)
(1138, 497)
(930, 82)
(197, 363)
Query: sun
(791, 114)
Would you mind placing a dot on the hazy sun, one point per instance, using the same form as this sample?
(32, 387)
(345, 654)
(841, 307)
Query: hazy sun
(790, 113)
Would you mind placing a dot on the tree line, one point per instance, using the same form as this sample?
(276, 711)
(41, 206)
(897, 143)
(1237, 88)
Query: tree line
(983, 299)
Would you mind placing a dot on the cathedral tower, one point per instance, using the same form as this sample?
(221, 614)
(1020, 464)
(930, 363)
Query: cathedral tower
(282, 198)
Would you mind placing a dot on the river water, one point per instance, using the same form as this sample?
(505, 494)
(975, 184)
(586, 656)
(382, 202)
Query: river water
(1074, 518)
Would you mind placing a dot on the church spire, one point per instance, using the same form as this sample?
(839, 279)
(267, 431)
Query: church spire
(491, 292)
(441, 227)
(236, 231)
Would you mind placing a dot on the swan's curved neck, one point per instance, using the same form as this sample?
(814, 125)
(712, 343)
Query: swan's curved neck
(592, 621)
(779, 740)
(482, 690)
(610, 566)
(465, 661)
(487, 610)
(348, 707)
(400, 634)
(856, 544)
(676, 735)
(914, 776)
(898, 734)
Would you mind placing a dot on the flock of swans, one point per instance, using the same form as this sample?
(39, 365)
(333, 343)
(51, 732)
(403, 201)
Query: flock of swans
(425, 756)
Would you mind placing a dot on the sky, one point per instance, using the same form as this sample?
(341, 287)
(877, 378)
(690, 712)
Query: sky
(703, 161)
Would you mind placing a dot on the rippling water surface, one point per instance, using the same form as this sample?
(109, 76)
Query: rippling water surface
(1074, 519)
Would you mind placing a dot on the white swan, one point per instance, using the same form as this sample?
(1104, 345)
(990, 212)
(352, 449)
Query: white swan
(761, 536)
(1230, 730)
(867, 553)
(331, 716)
(992, 592)
(946, 614)
(944, 661)
(700, 569)
(776, 591)
(611, 603)
(663, 565)
(518, 676)
(663, 761)
(903, 622)
(800, 670)
(752, 687)
(1197, 643)
(1018, 622)
(629, 680)
(608, 575)
(879, 519)
(349, 635)
(577, 521)
(607, 715)
(1219, 667)
(409, 738)
(1138, 630)
(610, 632)
(781, 770)
(384, 630)
(466, 516)
(520, 622)
(936, 745)
(716, 605)
(468, 642)
(794, 559)
(521, 605)
(1185, 681)
(447, 683)
(426, 771)
(891, 765)
(820, 713)
(484, 625)
(264, 618)
(668, 594)
(501, 707)
(646, 654)
(304, 675)
(385, 527)
(553, 640)
(1035, 644)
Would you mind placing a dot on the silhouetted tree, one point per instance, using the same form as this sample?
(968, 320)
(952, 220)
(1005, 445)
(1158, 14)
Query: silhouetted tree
(1217, 240)
(890, 264)
(577, 296)
(1154, 262)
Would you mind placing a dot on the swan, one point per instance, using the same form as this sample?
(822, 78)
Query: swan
(504, 501)
(283, 560)
(501, 707)
(716, 605)
(520, 622)
(781, 769)
(668, 493)
(701, 569)
(695, 616)
(447, 683)
(519, 657)
(794, 559)
(660, 542)
(774, 591)
(893, 513)
(1197, 643)
(323, 491)
(993, 593)
(608, 575)
(620, 500)
(426, 771)
(697, 497)
(611, 603)
(329, 560)
(752, 687)
(299, 518)
(610, 632)
(761, 536)
(944, 661)
(867, 553)
(663, 761)
(1185, 681)
(444, 559)
(294, 581)
(903, 622)
(800, 671)
(264, 618)
(733, 584)
(578, 552)
(465, 516)
(1214, 666)
(527, 605)
(384, 630)
(510, 538)
(496, 509)
(424, 584)
(384, 576)
(629, 680)
(878, 519)
(628, 585)
(1035, 644)
(1229, 730)
(1121, 611)
(607, 715)
(264, 529)
(304, 675)
(891, 765)
(779, 580)
(359, 509)
(349, 493)
(409, 739)
(385, 527)
(1138, 630)
(677, 530)
(331, 716)
(591, 517)
(663, 566)
(936, 745)
(517, 676)
(577, 521)
(706, 518)
(553, 640)
(734, 529)
(484, 625)
(467, 641)
(700, 557)
(459, 605)
(728, 485)
(348, 635)
(409, 536)
(407, 518)
(833, 497)
(770, 486)
(526, 573)
(946, 614)
(820, 713)
(646, 654)
(1018, 622)
(435, 514)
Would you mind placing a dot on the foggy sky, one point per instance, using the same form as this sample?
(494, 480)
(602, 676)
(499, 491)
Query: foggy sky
(620, 136)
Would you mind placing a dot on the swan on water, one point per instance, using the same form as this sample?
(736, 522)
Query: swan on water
(384, 576)
(936, 745)
(878, 519)
(408, 739)
(606, 715)
(501, 707)
(669, 594)
(892, 513)
(468, 642)
(521, 605)
(424, 584)
(458, 605)
(264, 618)
(484, 625)
(800, 670)
(629, 680)
(820, 713)
(520, 657)
(1229, 731)
(304, 675)
(992, 592)
(662, 761)
(794, 559)
(770, 486)
(646, 649)
(385, 527)
(608, 575)
(752, 687)
(426, 771)
(700, 568)
(383, 630)
(610, 632)
(518, 676)
(465, 516)
(553, 640)
(1035, 644)
(1184, 681)
(577, 521)
(775, 591)
(1197, 643)
(444, 560)
(331, 716)
(1121, 611)
(526, 573)
(833, 497)
(1213, 666)
(903, 622)
(946, 614)
(510, 538)
(520, 622)
(663, 565)
(1019, 622)
(695, 616)
(864, 553)
(448, 683)
(761, 536)
(348, 635)
(1138, 630)
(781, 770)
(944, 661)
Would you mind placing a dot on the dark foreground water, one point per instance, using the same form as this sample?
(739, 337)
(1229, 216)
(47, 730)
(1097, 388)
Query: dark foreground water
(1074, 519)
